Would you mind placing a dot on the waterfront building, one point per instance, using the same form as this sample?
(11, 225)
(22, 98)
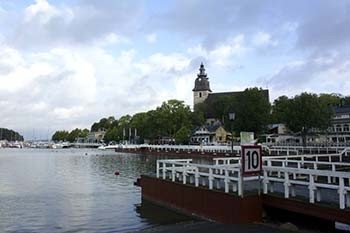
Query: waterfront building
(339, 132)
(210, 134)
(95, 137)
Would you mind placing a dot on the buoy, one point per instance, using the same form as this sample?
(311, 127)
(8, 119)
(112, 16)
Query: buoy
(116, 173)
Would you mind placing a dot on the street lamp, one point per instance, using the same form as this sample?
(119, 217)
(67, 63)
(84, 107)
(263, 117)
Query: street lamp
(231, 117)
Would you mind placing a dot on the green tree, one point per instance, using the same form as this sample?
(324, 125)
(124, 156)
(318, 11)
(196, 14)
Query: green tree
(280, 109)
(182, 136)
(252, 111)
(60, 136)
(304, 113)
(77, 133)
(10, 135)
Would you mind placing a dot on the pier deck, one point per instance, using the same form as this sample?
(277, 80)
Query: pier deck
(314, 185)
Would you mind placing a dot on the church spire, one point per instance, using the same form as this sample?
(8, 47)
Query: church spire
(202, 70)
(201, 82)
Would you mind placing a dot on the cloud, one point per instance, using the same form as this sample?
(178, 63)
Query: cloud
(151, 38)
(45, 24)
(327, 73)
(65, 64)
(263, 39)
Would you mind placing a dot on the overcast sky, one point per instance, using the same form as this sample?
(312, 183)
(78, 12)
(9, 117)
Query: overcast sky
(65, 64)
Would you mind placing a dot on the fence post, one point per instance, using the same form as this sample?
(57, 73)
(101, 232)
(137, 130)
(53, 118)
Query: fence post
(286, 185)
(341, 192)
(240, 183)
(265, 182)
(210, 178)
(157, 168)
(196, 177)
(226, 181)
(173, 172)
(184, 173)
(311, 189)
(164, 171)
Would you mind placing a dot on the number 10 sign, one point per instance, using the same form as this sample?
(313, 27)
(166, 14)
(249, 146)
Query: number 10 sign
(251, 160)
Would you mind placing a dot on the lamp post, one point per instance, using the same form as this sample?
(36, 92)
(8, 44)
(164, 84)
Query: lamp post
(231, 117)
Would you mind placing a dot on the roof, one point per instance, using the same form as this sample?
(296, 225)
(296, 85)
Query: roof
(342, 109)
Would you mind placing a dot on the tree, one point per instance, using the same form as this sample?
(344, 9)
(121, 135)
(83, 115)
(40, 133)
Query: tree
(182, 136)
(77, 133)
(280, 109)
(10, 135)
(303, 113)
(60, 136)
(252, 111)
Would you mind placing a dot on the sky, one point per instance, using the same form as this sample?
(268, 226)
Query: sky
(66, 64)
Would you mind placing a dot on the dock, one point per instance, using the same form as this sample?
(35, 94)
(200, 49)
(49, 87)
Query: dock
(314, 185)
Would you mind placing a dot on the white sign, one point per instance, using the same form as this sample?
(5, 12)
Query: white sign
(247, 138)
(251, 160)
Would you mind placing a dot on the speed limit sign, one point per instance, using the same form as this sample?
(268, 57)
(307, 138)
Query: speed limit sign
(251, 160)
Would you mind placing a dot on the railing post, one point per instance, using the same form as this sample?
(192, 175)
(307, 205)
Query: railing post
(318, 195)
(196, 177)
(184, 173)
(157, 169)
(341, 192)
(333, 170)
(164, 171)
(240, 183)
(173, 172)
(226, 181)
(311, 189)
(265, 182)
(286, 185)
(210, 178)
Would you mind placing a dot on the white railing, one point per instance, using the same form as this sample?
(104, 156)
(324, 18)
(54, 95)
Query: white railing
(186, 148)
(190, 173)
(310, 179)
(308, 149)
(311, 173)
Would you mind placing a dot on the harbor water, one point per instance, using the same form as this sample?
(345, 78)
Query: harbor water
(76, 190)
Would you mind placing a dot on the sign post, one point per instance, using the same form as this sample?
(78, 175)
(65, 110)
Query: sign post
(251, 162)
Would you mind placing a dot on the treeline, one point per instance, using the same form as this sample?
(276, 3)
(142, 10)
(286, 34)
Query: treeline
(172, 119)
(303, 113)
(252, 112)
(10, 135)
(71, 136)
(307, 113)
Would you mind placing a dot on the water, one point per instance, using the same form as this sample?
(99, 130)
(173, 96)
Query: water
(75, 190)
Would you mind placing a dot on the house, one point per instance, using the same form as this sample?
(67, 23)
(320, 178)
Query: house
(210, 133)
(94, 137)
(339, 132)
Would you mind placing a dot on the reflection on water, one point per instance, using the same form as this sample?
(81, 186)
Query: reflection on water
(75, 190)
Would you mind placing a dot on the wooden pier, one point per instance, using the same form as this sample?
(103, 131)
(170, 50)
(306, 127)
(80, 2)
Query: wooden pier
(316, 185)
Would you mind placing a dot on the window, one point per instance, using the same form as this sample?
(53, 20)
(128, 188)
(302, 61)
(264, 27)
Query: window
(200, 94)
(346, 128)
(339, 129)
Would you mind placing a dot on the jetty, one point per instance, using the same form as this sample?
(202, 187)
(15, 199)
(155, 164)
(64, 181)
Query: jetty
(292, 180)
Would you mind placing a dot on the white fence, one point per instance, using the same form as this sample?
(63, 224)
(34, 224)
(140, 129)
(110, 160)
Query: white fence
(188, 148)
(308, 173)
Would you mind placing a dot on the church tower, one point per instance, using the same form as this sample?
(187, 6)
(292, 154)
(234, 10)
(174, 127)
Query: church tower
(201, 88)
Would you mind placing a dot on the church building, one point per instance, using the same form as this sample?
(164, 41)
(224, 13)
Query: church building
(213, 131)
(203, 94)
